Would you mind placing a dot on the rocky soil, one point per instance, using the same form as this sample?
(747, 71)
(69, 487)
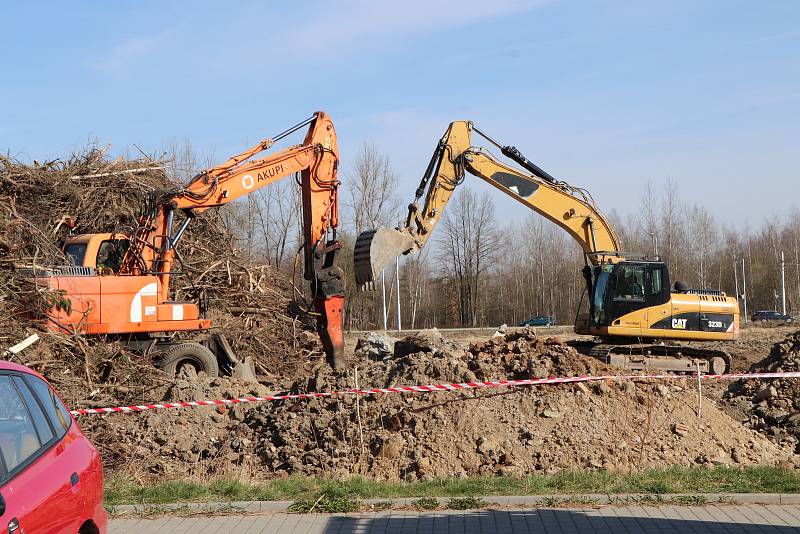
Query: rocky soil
(616, 426)
(772, 407)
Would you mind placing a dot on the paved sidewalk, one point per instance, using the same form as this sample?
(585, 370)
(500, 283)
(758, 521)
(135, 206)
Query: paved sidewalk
(757, 519)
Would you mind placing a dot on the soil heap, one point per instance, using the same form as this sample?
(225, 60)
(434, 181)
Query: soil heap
(617, 426)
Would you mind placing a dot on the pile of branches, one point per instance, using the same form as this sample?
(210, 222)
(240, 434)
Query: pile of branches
(250, 301)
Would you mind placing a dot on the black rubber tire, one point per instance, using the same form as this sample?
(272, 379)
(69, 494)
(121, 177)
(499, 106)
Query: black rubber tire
(193, 354)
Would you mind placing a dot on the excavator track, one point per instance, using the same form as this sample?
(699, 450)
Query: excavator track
(658, 358)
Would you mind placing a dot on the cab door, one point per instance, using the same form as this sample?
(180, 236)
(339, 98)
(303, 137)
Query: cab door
(659, 307)
(628, 297)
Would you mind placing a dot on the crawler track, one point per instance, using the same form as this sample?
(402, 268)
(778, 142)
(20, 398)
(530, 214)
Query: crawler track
(657, 357)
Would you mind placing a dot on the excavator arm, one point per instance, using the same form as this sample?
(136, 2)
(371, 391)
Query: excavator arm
(152, 249)
(569, 207)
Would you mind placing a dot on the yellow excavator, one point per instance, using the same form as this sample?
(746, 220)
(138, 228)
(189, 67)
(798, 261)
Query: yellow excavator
(639, 321)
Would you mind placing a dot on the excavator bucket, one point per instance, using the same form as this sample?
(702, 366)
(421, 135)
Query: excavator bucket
(229, 363)
(375, 250)
(245, 370)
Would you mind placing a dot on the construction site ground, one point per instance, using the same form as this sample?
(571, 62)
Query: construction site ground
(609, 426)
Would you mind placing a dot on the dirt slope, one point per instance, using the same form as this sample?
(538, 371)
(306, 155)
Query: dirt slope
(607, 425)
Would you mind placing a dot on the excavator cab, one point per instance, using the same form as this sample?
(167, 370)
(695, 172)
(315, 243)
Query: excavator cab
(96, 251)
(619, 289)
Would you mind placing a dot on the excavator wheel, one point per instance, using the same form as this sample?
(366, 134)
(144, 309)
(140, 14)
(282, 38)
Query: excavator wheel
(193, 354)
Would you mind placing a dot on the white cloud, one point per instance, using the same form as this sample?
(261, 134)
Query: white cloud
(338, 28)
(322, 31)
(127, 54)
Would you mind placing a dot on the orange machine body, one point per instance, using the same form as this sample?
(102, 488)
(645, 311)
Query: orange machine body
(119, 304)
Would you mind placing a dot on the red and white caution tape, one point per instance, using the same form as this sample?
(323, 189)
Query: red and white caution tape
(430, 388)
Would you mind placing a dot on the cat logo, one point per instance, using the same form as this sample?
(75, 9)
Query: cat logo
(679, 324)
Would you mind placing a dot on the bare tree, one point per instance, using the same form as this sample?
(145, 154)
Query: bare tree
(650, 220)
(370, 202)
(701, 240)
(670, 215)
(467, 242)
(370, 190)
(279, 217)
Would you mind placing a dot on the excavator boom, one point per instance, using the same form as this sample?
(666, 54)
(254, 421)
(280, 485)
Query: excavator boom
(569, 207)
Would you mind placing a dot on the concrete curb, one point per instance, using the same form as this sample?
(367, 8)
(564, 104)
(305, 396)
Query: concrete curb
(528, 501)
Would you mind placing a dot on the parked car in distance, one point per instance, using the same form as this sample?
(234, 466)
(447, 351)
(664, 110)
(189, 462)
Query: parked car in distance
(770, 315)
(539, 320)
(51, 478)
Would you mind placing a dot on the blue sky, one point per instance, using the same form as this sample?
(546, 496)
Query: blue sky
(606, 95)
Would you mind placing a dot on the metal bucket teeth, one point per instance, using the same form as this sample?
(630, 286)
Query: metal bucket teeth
(374, 250)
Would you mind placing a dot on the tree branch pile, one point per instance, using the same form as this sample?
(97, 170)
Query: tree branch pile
(250, 302)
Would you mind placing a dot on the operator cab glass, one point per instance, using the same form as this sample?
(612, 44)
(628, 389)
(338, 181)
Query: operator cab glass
(111, 252)
(75, 253)
(622, 288)
(602, 275)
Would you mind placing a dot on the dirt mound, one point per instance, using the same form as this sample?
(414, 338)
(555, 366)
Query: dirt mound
(523, 354)
(179, 442)
(773, 406)
(517, 431)
(605, 425)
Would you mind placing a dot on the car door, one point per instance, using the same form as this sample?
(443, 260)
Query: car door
(35, 479)
(71, 456)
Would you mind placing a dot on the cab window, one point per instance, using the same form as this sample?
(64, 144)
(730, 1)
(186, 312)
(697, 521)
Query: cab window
(658, 284)
(629, 282)
(19, 439)
(76, 253)
(110, 253)
(602, 279)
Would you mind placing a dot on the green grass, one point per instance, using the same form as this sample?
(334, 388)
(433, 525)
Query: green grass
(123, 490)
(465, 503)
(425, 503)
(325, 504)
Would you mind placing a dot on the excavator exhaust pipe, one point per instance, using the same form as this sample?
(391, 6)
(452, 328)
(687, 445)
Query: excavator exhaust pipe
(375, 250)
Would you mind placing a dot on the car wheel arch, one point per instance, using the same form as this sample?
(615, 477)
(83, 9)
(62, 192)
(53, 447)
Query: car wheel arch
(88, 527)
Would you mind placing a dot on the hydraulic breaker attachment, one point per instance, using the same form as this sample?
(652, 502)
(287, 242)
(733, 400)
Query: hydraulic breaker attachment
(328, 287)
(330, 326)
(375, 250)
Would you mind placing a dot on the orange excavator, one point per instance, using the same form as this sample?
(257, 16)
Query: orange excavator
(119, 286)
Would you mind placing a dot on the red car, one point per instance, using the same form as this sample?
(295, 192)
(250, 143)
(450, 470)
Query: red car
(51, 478)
